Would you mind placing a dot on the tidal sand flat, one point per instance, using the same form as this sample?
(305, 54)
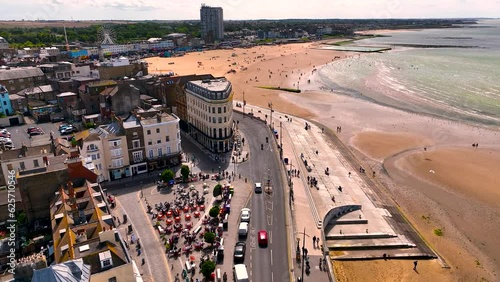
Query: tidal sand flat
(397, 128)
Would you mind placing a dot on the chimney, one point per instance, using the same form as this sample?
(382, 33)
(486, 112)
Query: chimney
(158, 117)
(73, 152)
(71, 190)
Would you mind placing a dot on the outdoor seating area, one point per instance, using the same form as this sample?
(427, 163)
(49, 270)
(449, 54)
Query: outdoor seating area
(183, 222)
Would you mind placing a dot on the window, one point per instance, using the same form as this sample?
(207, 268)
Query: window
(115, 143)
(4, 102)
(213, 110)
(92, 147)
(160, 152)
(225, 119)
(167, 138)
(150, 142)
(220, 119)
(148, 132)
(112, 279)
(220, 132)
(169, 151)
(117, 163)
(219, 110)
(106, 263)
(136, 144)
(137, 156)
(158, 141)
(21, 164)
(116, 152)
(157, 130)
(224, 108)
(35, 163)
(95, 156)
(151, 154)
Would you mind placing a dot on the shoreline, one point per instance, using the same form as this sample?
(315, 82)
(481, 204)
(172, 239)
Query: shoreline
(355, 116)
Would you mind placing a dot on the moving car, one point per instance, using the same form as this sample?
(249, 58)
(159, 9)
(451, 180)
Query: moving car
(245, 215)
(262, 238)
(239, 251)
(258, 187)
(64, 125)
(243, 229)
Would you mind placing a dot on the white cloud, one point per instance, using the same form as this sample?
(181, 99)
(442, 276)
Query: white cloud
(245, 9)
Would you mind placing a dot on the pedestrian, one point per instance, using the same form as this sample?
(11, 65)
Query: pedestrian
(317, 242)
(415, 265)
(314, 241)
(349, 174)
(143, 261)
(138, 252)
(224, 277)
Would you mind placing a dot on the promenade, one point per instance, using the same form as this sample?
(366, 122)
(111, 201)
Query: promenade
(342, 209)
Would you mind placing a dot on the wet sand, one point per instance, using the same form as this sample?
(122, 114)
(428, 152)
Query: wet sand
(383, 139)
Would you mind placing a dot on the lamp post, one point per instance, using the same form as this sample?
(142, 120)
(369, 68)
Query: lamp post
(271, 119)
(303, 253)
(142, 194)
(281, 139)
(219, 175)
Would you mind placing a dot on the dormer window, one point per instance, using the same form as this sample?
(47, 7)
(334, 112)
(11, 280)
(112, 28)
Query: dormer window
(92, 147)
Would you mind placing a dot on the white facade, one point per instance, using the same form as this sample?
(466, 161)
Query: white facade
(161, 136)
(124, 48)
(81, 70)
(3, 43)
(25, 163)
(210, 113)
(94, 151)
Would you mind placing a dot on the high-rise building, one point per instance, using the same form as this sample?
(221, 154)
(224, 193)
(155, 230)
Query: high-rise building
(212, 24)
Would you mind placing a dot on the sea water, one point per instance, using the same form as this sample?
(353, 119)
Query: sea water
(459, 83)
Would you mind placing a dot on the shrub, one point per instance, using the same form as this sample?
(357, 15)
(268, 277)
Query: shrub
(214, 211)
(185, 172)
(207, 267)
(438, 232)
(209, 237)
(167, 175)
(217, 190)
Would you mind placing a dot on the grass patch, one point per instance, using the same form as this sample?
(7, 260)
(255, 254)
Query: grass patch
(438, 232)
(280, 88)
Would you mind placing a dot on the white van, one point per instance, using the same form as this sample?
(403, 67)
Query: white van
(243, 229)
(240, 273)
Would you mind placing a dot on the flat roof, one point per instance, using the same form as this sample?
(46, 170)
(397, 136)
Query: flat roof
(217, 84)
(66, 94)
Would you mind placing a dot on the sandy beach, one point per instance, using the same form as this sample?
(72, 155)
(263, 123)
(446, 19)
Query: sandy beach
(460, 197)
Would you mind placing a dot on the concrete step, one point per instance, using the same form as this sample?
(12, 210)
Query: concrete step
(349, 221)
(379, 254)
(360, 236)
(369, 245)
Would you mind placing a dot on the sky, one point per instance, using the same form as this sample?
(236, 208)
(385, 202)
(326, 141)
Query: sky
(244, 9)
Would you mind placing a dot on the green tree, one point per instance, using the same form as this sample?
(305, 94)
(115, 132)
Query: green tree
(185, 172)
(167, 175)
(207, 267)
(217, 190)
(214, 211)
(209, 237)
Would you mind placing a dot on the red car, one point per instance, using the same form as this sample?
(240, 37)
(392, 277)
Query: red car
(262, 238)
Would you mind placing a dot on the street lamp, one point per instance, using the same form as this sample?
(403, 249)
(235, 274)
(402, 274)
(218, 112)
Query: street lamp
(142, 194)
(219, 175)
(304, 253)
(271, 119)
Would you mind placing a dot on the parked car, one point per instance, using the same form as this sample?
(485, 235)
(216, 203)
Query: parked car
(239, 252)
(68, 130)
(245, 215)
(262, 238)
(243, 229)
(5, 135)
(56, 119)
(64, 125)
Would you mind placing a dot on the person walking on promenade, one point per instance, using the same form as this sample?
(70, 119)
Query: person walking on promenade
(314, 241)
(415, 265)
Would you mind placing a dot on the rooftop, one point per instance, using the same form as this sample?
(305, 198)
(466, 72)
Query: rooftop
(102, 83)
(17, 73)
(25, 152)
(154, 120)
(216, 84)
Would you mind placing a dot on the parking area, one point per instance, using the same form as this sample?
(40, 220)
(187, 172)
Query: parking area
(19, 134)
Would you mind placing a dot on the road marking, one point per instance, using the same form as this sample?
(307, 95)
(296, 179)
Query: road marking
(270, 237)
(271, 257)
(269, 205)
(272, 276)
(269, 220)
